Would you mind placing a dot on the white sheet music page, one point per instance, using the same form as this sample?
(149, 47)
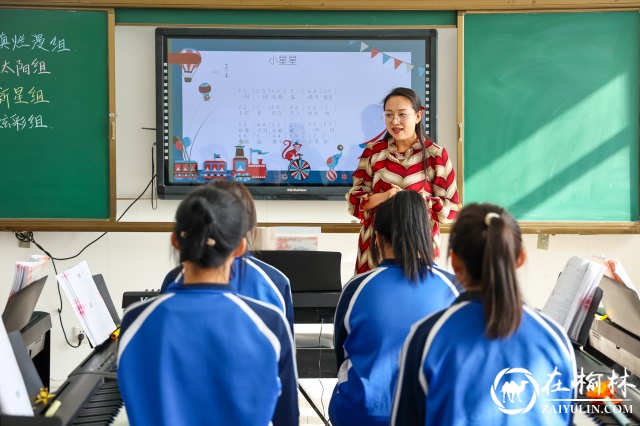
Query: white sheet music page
(14, 399)
(574, 286)
(87, 303)
(28, 272)
(615, 271)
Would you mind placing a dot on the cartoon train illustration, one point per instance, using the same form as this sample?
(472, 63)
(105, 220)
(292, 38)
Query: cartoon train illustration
(214, 169)
(245, 170)
(242, 169)
(183, 170)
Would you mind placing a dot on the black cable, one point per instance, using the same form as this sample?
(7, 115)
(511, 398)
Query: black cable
(28, 237)
(320, 366)
(32, 239)
(154, 187)
(139, 196)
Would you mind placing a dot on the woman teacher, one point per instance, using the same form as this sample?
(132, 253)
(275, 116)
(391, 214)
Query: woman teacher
(405, 159)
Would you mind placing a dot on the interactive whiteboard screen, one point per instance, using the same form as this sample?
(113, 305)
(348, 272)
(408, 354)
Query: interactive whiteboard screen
(286, 112)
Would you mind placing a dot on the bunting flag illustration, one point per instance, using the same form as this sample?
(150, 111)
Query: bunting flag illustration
(409, 67)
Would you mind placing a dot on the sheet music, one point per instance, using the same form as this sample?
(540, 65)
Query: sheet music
(570, 298)
(14, 399)
(87, 303)
(615, 271)
(28, 272)
(297, 237)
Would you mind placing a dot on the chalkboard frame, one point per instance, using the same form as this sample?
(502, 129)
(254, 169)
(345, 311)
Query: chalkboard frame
(110, 138)
(556, 226)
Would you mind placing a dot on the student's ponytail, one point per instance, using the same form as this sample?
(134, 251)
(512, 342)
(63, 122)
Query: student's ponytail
(488, 240)
(403, 222)
(210, 224)
(501, 297)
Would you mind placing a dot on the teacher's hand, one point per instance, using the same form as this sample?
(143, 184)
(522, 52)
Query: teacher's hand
(376, 199)
(393, 191)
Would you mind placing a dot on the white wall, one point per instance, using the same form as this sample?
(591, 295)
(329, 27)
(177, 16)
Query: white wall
(138, 261)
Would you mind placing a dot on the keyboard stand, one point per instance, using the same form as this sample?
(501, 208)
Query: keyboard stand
(37, 340)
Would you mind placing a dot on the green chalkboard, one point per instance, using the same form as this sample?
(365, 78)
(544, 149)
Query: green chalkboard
(551, 114)
(54, 124)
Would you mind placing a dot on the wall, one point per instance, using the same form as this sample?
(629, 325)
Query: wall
(138, 261)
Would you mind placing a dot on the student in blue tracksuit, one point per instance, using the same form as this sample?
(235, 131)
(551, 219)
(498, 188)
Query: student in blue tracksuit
(250, 276)
(201, 353)
(488, 359)
(377, 308)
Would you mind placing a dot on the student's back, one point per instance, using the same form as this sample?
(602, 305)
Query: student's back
(377, 308)
(186, 357)
(217, 354)
(374, 316)
(249, 276)
(450, 359)
(278, 283)
(488, 359)
(252, 278)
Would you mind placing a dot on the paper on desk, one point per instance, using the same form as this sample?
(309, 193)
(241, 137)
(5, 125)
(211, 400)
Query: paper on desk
(14, 399)
(87, 303)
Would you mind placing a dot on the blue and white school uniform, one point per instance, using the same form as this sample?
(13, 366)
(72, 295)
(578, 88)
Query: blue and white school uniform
(253, 278)
(202, 354)
(373, 318)
(450, 373)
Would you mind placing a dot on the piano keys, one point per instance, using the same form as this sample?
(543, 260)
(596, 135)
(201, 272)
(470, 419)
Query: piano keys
(87, 399)
(91, 394)
(587, 413)
(611, 349)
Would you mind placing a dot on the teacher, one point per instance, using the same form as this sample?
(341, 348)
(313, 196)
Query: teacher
(405, 159)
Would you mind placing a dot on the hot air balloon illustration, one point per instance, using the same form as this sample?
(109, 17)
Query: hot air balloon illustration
(182, 145)
(178, 143)
(205, 89)
(188, 59)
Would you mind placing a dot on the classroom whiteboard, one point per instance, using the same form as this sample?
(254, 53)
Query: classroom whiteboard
(277, 105)
(288, 113)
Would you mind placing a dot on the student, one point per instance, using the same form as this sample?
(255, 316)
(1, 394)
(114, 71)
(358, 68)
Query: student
(488, 358)
(405, 158)
(377, 308)
(250, 276)
(201, 353)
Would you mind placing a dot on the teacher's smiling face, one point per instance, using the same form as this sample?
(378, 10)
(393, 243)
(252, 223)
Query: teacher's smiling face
(401, 120)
